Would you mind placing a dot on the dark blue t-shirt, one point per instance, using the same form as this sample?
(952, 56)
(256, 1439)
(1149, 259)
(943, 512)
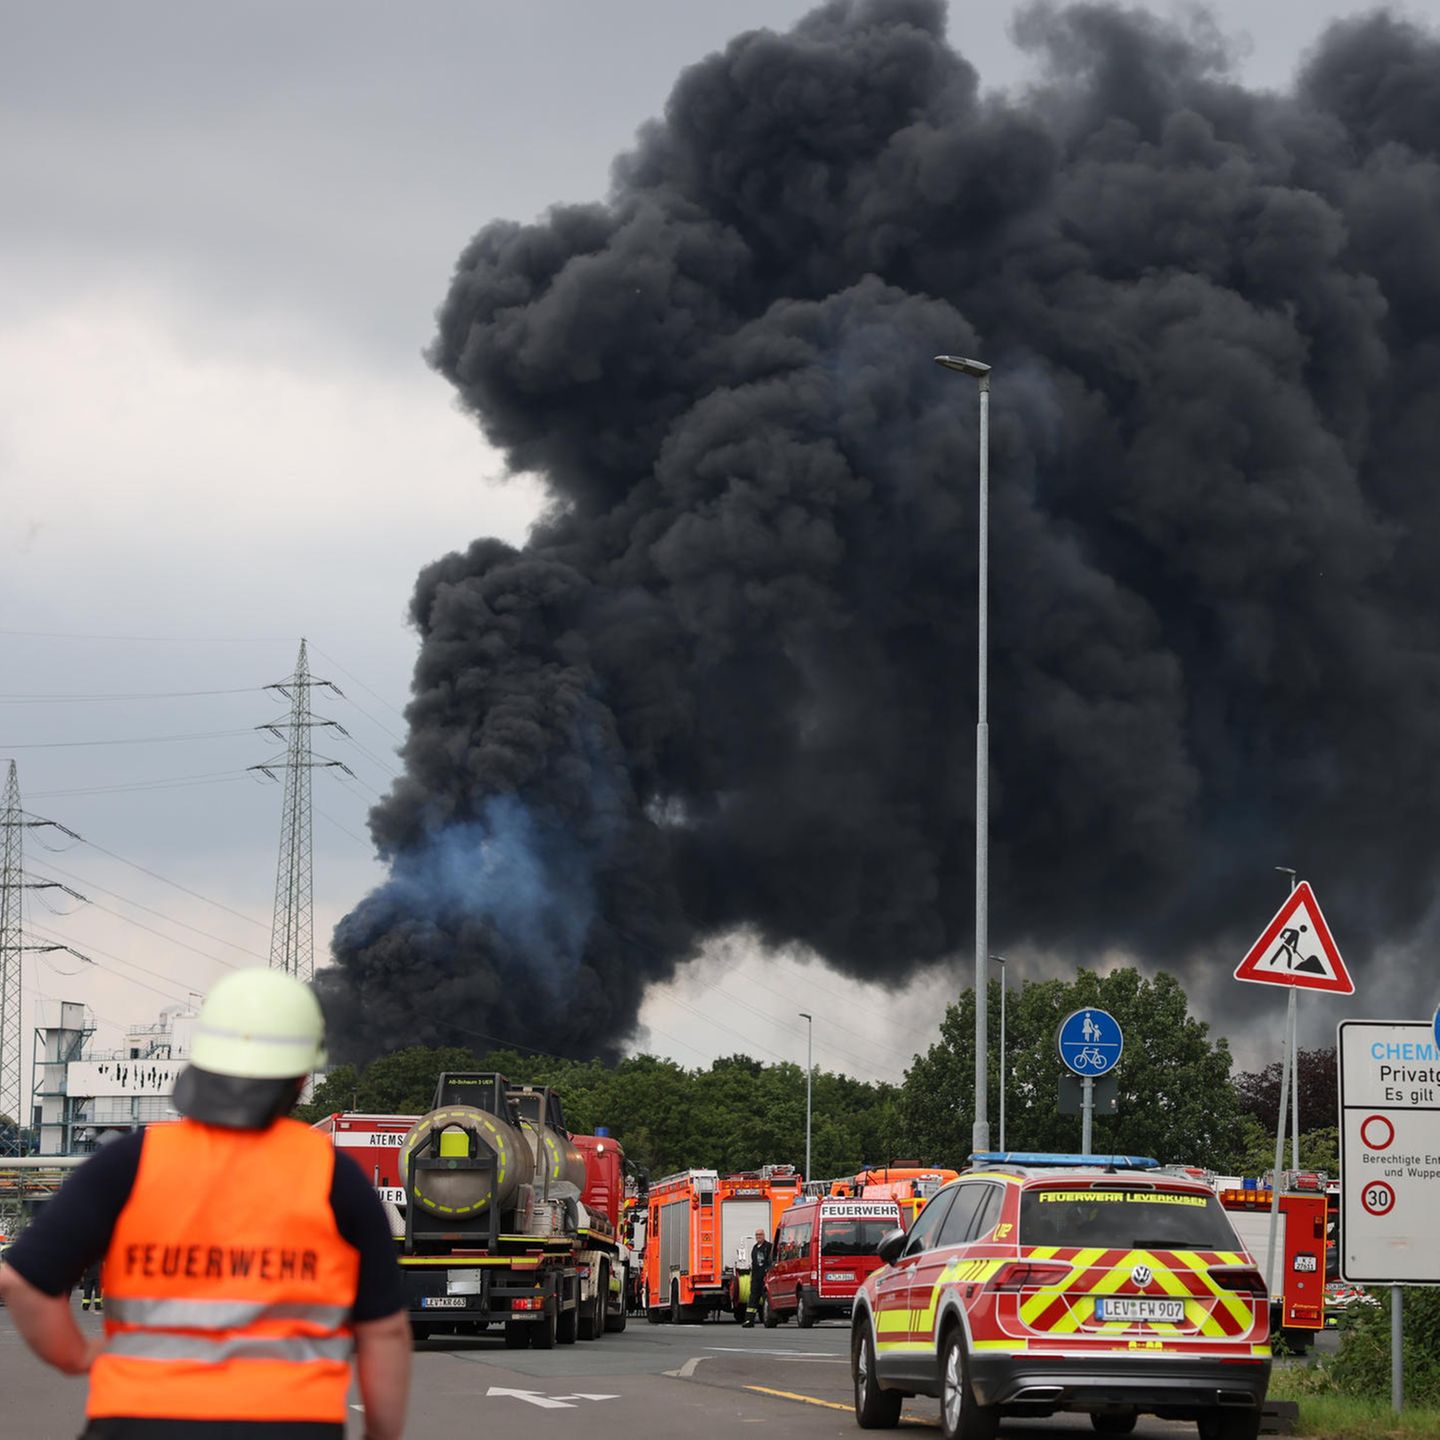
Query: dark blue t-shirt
(72, 1231)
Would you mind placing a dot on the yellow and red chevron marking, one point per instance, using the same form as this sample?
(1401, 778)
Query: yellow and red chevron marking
(1069, 1306)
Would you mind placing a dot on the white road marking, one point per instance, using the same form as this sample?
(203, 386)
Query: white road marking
(785, 1354)
(544, 1402)
(687, 1369)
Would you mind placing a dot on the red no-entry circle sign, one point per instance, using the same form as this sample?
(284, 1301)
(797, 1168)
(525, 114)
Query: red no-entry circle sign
(1378, 1198)
(1376, 1132)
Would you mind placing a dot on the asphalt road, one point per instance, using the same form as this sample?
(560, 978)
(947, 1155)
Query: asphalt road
(695, 1381)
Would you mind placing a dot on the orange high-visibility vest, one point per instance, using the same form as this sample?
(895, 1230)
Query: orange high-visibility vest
(228, 1288)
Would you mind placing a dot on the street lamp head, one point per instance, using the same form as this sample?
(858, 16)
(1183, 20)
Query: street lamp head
(977, 369)
(999, 960)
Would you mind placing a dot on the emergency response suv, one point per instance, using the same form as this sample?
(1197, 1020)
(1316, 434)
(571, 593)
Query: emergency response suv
(1037, 1283)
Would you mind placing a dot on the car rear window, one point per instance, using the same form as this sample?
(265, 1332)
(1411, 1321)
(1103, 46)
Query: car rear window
(855, 1237)
(1124, 1217)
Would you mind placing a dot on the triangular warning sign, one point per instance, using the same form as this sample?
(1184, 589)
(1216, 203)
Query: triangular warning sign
(1296, 948)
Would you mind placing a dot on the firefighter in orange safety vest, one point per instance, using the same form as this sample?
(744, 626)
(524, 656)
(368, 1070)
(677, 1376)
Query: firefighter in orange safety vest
(246, 1261)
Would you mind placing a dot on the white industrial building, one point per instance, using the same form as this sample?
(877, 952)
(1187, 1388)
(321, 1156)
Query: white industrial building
(81, 1093)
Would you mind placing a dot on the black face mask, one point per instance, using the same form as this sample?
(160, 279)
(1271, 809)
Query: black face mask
(234, 1102)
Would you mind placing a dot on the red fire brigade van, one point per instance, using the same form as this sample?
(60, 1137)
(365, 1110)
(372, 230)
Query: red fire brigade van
(824, 1249)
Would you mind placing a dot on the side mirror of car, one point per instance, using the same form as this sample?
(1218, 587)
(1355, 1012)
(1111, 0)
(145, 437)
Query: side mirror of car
(892, 1242)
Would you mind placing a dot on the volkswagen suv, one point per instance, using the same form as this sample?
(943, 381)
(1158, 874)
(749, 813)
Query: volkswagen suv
(1039, 1283)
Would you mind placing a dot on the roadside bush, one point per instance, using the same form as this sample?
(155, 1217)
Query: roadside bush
(1362, 1364)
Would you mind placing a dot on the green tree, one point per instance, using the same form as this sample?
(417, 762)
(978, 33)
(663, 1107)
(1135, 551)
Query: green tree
(1175, 1101)
(1319, 1149)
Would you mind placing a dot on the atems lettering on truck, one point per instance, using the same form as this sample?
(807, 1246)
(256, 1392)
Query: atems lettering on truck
(824, 1250)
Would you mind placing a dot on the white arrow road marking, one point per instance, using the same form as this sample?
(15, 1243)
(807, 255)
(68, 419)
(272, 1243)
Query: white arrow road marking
(545, 1402)
(530, 1397)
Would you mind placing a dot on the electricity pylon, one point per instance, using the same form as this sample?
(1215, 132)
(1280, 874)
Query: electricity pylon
(292, 932)
(13, 824)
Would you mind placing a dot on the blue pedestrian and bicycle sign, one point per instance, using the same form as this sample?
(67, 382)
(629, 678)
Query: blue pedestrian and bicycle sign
(1091, 1042)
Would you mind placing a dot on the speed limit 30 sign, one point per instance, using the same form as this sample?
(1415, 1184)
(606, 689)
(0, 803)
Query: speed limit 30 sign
(1389, 1152)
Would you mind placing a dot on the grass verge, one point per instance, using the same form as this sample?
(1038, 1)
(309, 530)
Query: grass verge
(1346, 1417)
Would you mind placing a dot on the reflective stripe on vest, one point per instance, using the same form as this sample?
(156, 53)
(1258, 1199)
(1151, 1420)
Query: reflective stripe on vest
(162, 1345)
(219, 1314)
(228, 1286)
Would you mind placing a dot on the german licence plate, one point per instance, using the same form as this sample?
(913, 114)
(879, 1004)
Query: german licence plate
(442, 1302)
(1110, 1307)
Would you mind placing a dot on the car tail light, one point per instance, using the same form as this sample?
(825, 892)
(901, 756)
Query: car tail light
(1242, 1278)
(1028, 1274)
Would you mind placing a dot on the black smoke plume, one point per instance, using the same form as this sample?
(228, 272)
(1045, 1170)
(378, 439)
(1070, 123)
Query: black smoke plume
(730, 679)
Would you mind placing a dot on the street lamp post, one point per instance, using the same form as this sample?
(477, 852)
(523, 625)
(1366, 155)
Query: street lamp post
(1000, 961)
(809, 1077)
(980, 1135)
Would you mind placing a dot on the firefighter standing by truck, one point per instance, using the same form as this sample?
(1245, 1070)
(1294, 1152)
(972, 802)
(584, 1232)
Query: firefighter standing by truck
(245, 1261)
(759, 1264)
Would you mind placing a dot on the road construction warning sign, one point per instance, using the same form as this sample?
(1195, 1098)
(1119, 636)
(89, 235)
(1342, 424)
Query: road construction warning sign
(1297, 949)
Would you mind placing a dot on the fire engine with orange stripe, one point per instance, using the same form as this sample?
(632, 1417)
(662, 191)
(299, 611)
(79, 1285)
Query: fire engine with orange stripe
(700, 1226)
(1039, 1283)
(500, 1214)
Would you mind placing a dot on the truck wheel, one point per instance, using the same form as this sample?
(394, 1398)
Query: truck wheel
(614, 1320)
(805, 1316)
(654, 1314)
(592, 1321)
(875, 1409)
(517, 1335)
(768, 1318)
(677, 1310)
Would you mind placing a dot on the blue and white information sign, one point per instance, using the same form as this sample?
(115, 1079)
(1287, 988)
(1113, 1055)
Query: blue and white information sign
(1091, 1042)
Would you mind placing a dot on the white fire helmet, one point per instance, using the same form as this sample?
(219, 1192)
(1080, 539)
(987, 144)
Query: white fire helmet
(259, 1025)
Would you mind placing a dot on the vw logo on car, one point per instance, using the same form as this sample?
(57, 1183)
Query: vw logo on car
(1142, 1275)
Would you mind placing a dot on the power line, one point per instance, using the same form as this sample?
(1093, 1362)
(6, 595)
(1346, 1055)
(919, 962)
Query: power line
(148, 639)
(175, 884)
(120, 960)
(159, 914)
(120, 695)
(125, 740)
(374, 694)
(176, 782)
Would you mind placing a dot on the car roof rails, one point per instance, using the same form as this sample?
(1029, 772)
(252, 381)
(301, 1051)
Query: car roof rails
(1054, 1160)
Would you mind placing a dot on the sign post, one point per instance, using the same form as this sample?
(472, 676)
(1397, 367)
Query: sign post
(1390, 1161)
(1090, 1042)
(1296, 950)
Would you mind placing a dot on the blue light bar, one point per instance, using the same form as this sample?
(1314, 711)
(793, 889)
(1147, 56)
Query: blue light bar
(1053, 1158)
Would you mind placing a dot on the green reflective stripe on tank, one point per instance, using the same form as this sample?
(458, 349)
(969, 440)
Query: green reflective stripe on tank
(167, 1345)
(217, 1314)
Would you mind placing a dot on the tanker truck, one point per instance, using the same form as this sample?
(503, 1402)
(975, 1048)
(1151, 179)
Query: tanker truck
(507, 1218)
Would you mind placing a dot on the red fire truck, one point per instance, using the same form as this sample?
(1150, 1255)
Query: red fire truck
(373, 1142)
(700, 1227)
(1297, 1300)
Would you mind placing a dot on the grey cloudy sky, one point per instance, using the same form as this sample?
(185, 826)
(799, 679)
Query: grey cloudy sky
(226, 231)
